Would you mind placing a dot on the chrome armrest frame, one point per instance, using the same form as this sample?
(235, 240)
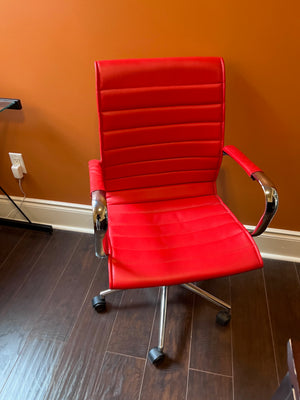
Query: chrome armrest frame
(271, 202)
(100, 221)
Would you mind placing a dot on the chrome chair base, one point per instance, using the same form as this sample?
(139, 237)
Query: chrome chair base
(156, 354)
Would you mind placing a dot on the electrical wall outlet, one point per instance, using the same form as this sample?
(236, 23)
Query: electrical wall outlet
(16, 160)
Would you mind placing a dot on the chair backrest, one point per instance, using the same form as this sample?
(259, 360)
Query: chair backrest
(161, 127)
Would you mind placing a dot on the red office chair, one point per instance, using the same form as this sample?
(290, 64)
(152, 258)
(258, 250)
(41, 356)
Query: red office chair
(154, 190)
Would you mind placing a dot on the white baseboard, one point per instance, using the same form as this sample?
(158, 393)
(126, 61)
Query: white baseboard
(64, 216)
(279, 244)
(274, 243)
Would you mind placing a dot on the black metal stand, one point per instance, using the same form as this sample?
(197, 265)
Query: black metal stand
(14, 104)
(23, 224)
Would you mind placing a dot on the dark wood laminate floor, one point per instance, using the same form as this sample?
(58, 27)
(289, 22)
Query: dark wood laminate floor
(53, 345)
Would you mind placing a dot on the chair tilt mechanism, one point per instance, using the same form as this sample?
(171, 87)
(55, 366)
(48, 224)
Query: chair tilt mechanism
(157, 216)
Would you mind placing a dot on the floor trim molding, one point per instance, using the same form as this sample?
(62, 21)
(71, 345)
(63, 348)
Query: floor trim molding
(64, 216)
(277, 244)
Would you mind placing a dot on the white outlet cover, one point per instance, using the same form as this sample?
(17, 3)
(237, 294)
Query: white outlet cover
(16, 159)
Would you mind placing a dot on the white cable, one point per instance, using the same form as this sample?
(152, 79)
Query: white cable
(21, 188)
(22, 201)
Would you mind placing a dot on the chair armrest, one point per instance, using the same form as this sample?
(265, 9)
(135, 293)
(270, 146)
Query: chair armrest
(271, 196)
(271, 202)
(99, 220)
(98, 205)
(96, 178)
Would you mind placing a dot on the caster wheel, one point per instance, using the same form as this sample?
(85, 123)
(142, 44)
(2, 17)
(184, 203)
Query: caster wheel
(156, 356)
(223, 317)
(99, 303)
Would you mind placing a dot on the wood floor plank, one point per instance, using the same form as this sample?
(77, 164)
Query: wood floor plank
(9, 237)
(169, 381)
(211, 343)
(297, 265)
(121, 378)
(131, 333)
(253, 357)
(42, 280)
(283, 291)
(61, 311)
(33, 371)
(18, 265)
(81, 362)
(12, 340)
(205, 386)
(24, 307)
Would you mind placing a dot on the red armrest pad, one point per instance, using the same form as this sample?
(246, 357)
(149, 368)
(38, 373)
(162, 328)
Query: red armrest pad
(96, 178)
(241, 159)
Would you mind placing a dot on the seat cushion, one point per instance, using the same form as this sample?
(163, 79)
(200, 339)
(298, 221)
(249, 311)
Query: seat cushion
(176, 241)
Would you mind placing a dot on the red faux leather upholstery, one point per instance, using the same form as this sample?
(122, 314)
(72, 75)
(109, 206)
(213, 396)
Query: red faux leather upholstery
(161, 140)
(96, 178)
(248, 166)
(176, 241)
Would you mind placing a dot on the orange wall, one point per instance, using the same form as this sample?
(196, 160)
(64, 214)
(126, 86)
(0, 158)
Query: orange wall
(47, 54)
